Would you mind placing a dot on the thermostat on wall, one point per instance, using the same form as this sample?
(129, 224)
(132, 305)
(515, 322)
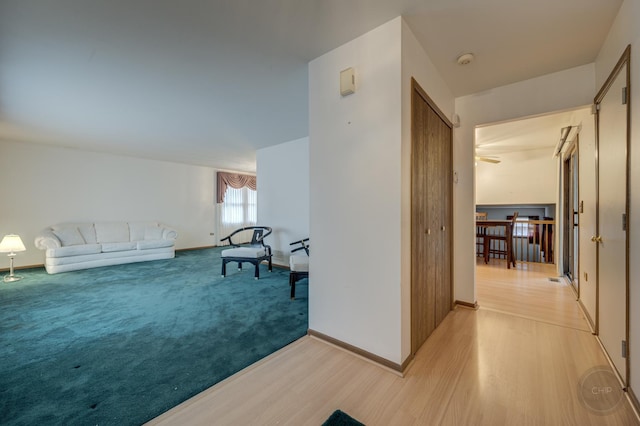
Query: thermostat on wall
(347, 82)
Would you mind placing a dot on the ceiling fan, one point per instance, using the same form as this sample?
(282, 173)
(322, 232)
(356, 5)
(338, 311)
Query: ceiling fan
(488, 159)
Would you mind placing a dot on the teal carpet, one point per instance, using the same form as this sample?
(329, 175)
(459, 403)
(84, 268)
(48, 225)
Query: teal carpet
(120, 345)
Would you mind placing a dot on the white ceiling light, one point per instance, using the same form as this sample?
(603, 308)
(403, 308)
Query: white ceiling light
(465, 59)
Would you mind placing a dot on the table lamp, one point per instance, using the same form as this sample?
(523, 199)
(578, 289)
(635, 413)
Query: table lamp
(11, 244)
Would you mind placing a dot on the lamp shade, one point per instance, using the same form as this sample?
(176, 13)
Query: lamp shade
(11, 244)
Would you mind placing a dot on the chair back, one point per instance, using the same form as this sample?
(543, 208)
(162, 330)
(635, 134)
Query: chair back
(304, 245)
(513, 223)
(257, 237)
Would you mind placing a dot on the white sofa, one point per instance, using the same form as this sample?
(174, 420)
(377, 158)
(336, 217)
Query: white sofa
(73, 246)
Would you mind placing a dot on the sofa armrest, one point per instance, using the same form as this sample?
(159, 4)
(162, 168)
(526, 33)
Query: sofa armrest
(168, 233)
(46, 239)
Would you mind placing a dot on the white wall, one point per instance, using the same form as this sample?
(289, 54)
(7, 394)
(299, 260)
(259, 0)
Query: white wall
(355, 194)
(553, 92)
(44, 185)
(525, 177)
(626, 30)
(360, 159)
(283, 194)
(416, 64)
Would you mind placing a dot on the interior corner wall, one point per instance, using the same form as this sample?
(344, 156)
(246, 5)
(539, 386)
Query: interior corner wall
(44, 185)
(625, 31)
(553, 92)
(283, 195)
(355, 194)
(416, 64)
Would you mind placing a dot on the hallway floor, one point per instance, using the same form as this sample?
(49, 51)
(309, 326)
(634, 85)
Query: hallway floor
(525, 356)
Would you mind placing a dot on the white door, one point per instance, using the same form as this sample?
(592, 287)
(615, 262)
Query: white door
(612, 235)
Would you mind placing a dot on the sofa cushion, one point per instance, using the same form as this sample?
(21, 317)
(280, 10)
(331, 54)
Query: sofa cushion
(250, 252)
(77, 250)
(136, 229)
(124, 246)
(299, 263)
(69, 236)
(114, 232)
(88, 233)
(152, 233)
(151, 244)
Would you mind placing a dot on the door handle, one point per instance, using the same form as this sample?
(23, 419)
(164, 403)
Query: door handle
(597, 239)
(443, 228)
(428, 231)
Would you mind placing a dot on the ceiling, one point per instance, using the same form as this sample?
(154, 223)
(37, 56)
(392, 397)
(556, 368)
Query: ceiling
(209, 82)
(529, 137)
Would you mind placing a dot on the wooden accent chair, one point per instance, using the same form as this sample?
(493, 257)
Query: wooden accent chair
(254, 252)
(298, 264)
(504, 246)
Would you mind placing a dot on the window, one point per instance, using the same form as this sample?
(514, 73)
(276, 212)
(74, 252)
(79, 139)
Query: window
(237, 202)
(239, 207)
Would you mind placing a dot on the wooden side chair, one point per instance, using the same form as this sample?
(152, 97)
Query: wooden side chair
(298, 264)
(254, 252)
(504, 244)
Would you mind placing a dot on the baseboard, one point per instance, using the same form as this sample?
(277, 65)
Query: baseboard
(633, 399)
(195, 248)
(469, 305)
(590, 323)
(41, 265)
(17, 268)
(396, 368)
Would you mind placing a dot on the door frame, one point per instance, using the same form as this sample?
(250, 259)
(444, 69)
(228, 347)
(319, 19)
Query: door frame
(623, 64)
(570, 194)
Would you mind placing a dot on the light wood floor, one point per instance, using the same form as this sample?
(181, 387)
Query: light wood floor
(513, 362)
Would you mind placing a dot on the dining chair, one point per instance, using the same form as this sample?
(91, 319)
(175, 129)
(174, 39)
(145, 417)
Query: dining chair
(501, 245)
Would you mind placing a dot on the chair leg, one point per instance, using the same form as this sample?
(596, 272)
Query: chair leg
(292, 282)
(257, 273)
(224, 268)
(270, 265)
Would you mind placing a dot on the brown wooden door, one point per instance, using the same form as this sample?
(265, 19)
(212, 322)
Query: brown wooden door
(430, 217)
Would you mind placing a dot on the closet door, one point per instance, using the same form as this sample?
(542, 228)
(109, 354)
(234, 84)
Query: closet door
(444, 223)
(431, 217)
(422, 253)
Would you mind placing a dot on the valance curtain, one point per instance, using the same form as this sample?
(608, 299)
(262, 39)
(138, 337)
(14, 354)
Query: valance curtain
(234, 180)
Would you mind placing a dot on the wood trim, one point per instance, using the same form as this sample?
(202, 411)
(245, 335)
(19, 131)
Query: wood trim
(415, 86)
(624, 63)
(398, 368)
(16, 268)
(624, 59)
(633, 399)
(41, 265)
(469, 305)
(195, 248)
(590, 323)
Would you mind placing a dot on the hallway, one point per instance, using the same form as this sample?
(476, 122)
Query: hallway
(522, 358)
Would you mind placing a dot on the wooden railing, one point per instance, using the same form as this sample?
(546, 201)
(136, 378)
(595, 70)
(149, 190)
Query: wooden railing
(534, 241)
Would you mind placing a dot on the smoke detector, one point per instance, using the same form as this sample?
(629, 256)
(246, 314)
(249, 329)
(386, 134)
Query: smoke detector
(465, 59)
